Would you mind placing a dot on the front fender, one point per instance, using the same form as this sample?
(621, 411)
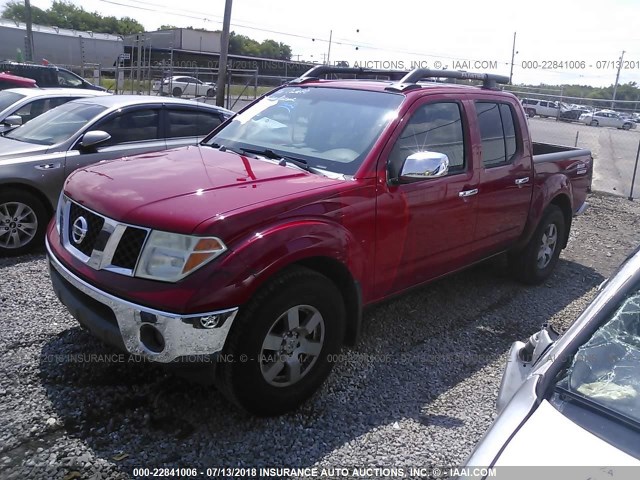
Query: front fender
(255, 259)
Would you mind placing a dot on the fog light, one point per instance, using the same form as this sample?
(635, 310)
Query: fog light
(151, 338)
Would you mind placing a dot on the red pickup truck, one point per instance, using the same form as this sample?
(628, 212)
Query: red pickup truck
(258, 249)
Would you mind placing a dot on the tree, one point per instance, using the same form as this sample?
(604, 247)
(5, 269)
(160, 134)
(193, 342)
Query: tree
(243, 45)
(66, 15)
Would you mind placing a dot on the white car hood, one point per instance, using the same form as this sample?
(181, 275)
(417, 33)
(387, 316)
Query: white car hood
(549, 438)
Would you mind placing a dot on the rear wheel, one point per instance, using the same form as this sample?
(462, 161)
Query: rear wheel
(282, 343)
(626, 126)
(177, 92)
(23, 220)
(535, 263)
(594, 123)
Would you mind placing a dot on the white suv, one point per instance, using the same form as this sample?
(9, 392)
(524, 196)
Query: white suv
(544, 108)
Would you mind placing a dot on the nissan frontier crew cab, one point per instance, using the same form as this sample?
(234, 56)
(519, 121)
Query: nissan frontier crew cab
(259, 247)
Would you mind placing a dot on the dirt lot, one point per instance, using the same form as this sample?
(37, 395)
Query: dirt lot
(418, 390)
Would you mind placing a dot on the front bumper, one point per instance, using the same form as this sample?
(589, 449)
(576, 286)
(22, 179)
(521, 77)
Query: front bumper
(152, 334)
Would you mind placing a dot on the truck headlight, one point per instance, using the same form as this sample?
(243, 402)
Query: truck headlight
(59, 212)
(171, 256)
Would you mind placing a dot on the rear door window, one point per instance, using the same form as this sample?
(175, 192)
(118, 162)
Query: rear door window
(498, 133)
(191, 123)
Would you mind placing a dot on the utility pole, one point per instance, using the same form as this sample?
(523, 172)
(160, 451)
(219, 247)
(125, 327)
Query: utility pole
(224, 52)
(615, 87)
(513, 56)
(29, 40)
(329, 52)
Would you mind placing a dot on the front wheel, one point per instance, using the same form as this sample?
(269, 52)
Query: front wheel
(626, 126)
(594, 123)
(535, 263)
(177, 92)
(23, 220)
(281, 347)
(211, 92)
(531, 112)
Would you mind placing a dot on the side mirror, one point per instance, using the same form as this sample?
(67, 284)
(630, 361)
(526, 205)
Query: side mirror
(424, 165)
(93, 138)
(13, 121)
(520, 362)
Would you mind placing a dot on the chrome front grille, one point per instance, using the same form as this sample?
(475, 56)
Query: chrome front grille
(99, 241)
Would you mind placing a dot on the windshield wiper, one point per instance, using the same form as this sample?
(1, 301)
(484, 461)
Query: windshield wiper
(282, 159)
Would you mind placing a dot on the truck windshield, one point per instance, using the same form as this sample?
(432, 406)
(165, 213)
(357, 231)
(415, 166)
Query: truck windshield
(329, 128)
(56, 125)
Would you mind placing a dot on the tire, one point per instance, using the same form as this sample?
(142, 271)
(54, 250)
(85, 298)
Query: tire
(594, 123)
(626, 126)
(531, 265)
(23, 221)
(176, 92)
(261, 384)
(211, 92)
(531, 112)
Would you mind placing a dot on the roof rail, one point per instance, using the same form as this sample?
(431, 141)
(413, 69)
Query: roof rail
(320, 70)
(406, 80)
(489, 80)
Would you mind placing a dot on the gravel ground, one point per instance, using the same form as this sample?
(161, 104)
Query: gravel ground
(418, 390)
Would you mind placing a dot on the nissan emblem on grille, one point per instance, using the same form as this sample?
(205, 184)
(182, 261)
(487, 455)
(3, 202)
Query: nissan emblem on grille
(80, 229)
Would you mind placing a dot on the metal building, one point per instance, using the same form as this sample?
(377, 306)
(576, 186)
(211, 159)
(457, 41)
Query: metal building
(60, 46)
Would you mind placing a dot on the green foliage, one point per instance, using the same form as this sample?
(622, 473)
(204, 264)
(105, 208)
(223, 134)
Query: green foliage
(66, 15)
(243, 45)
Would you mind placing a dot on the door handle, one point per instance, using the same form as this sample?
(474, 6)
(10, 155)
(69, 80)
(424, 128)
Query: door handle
(468, 193)
(48, 166)
(522, 181)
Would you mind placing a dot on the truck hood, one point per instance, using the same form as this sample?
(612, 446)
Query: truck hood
(10, 148)
(176, 190)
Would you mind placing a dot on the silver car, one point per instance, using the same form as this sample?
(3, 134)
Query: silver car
(19, 105)
(605, 118)
(36, 158)
(574, 400)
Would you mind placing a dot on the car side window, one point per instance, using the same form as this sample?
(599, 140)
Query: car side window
(133, 126)
(31, 110)
(65, 79)
(497, 131)
(191, 123)
(435, 127)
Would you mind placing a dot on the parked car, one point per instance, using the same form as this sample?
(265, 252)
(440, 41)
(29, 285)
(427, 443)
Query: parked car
(182, 85)
(543, 108)
(572, 114)
(35, 158)
(604, 118)
(580, 389)
(48, 76)
(19, 105)
(13, 81)
(264, 243)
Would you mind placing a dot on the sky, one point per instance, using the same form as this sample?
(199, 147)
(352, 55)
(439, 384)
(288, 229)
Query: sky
(556, 41)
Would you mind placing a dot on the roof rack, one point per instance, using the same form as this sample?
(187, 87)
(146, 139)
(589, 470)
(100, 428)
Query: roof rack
(319, 71)
(489, 80)
(406, 80)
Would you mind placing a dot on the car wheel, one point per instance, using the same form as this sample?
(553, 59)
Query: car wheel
(23, 220)
(177, 91)
(626, 126)
(531, 112)
(211, 92)
(535, 263)
(283, 343)
(594, 123)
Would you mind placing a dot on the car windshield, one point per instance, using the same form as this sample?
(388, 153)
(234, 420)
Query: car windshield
(8, 98)
(57, 124)
(331, 129)
(606, 369)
